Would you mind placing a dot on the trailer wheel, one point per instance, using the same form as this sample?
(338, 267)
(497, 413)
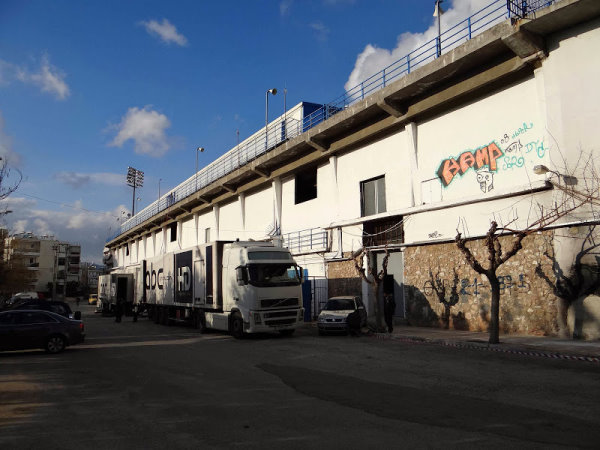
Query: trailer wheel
(237, 326)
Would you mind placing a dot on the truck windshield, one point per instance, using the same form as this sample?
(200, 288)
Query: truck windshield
(273, 274)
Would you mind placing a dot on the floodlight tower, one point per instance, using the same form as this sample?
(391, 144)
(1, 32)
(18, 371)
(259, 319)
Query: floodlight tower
(135, 179)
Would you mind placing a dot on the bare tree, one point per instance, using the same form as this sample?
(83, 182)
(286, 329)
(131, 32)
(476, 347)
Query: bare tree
(372, 277)
(567, 200)
(7, 187)
(576, 281)
(440, 289)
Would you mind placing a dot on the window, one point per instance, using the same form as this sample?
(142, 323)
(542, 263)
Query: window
(207, 235)
(173, 228)
(372, 196)
(383, 232)
(306, 185)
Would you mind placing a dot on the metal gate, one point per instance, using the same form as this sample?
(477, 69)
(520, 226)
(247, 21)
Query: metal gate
(314, 293)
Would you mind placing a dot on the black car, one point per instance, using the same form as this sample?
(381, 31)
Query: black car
(27, 329)
(54, 306)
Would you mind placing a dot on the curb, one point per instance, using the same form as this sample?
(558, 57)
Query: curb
(489, 347)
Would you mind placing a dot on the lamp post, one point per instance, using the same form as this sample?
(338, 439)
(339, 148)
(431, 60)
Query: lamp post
(135, 179)
(273, 92)
(437, 12)
(199, 149)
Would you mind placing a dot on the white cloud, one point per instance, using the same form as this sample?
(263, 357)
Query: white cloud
(76, 225)
(166, 31)
(7, 153)
(374, 59)
(48, 77)
(147, 130)
(78, 179)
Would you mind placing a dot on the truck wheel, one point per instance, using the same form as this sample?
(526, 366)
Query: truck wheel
(237, 326)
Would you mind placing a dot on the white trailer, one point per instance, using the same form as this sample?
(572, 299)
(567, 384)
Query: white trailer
(116, 287)
(240, 287)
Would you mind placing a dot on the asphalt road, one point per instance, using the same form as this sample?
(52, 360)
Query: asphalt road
(144, 386)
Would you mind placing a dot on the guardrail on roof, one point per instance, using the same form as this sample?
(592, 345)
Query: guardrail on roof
(284, 130)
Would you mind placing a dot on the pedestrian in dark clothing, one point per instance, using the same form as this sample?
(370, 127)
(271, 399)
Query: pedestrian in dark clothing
(389, 307)
(354, 323)
(118, 311)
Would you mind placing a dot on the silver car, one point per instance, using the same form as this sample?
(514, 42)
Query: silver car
(334, 316)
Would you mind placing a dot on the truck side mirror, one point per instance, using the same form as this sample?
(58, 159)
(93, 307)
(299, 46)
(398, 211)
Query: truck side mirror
(241, 276)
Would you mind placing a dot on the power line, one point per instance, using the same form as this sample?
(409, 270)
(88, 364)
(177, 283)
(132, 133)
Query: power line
(68, 206)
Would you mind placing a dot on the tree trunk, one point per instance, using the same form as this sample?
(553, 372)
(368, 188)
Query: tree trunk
(376, 308)
(495, 310)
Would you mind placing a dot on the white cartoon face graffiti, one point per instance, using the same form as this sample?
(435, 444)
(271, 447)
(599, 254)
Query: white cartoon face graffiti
(485, 178)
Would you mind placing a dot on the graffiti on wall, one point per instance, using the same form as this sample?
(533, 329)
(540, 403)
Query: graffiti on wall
(476, 286)
(507, 153)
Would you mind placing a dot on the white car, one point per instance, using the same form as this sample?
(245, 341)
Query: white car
(334, 316)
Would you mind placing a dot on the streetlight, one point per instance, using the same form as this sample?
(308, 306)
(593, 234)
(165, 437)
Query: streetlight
(135, 179)
(569, 180)
(437, 12)
(274, 92)
(199, 149)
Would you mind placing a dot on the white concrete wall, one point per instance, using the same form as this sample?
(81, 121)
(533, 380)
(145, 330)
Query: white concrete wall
(545, 119)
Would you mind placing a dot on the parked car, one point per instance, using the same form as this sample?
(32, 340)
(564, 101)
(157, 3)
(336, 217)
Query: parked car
(334, 316)
(54, 306)
(19, 297)
(93, 299)
(22, 329)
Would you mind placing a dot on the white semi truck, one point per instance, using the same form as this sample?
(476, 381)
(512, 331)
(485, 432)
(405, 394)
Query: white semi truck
(240, 287)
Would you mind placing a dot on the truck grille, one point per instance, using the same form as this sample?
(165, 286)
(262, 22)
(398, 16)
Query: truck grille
(271, 315)
(277, 302)
(274, 323)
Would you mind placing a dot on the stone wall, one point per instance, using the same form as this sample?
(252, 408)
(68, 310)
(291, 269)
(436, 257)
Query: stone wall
(527, 303)
(343, 278)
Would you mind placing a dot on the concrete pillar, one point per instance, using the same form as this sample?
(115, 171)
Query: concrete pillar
(277, 205)
(242, 200)
(196, 230)
(216, 211)
(413, 157)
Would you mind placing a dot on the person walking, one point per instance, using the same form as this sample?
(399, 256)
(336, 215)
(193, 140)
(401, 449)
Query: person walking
(389, 308)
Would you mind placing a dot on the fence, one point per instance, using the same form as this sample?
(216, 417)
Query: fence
(314, 239)
(280, 132)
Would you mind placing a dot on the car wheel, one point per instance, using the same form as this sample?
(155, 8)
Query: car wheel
(55, 344)
(237, 326)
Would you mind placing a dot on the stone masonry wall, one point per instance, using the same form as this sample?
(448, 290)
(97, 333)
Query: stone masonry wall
(527, 304)
(343, 278)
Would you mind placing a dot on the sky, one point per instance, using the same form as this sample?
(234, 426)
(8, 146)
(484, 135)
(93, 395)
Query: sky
(88, 88)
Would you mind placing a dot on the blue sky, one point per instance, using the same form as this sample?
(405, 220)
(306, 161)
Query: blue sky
(88, 88)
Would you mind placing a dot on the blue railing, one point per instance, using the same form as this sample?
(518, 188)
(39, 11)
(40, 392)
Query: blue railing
(285, 129)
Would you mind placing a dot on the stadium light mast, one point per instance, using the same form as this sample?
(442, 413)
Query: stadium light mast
(135, 179)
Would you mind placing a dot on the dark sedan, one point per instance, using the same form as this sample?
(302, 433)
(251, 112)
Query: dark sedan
(28, 329)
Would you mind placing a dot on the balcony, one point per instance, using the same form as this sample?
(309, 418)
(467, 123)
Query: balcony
(306, 241)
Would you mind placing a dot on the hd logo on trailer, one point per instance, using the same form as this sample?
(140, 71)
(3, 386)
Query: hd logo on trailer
(183, 277)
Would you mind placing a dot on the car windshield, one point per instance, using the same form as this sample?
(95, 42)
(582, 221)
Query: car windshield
(336, 304)
(273, 274)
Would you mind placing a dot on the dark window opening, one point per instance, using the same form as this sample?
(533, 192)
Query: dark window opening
(306, 185)
(127, 250)
(173, 228)
(383, 232)
(372, 196)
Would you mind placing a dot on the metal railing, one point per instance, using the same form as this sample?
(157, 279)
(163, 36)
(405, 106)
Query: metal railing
(314, 239)
(288, 128)
(524, 8)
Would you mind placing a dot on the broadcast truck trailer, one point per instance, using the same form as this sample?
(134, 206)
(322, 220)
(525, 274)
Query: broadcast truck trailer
(240, 287)
(114, 288)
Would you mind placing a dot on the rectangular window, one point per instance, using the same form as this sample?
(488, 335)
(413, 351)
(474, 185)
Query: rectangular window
(383, 232)
(372, 196)
(306, 185)
(173, 228)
